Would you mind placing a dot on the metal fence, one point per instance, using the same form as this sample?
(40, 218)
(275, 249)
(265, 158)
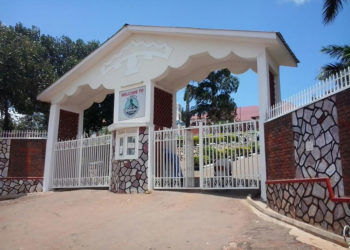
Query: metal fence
(173, 159)
(224, 156)
(23, 134)
(331, 86)
(230, 156)
(84, 162)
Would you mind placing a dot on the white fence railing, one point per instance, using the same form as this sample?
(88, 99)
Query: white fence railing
(82, 163)
(23, 134)
(174, 159)
(224, 156)
(230, 156)
(332, 85)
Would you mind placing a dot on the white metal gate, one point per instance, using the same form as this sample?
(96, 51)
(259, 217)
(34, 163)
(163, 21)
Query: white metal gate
(224, 156)
(84, 162)
(174, 159)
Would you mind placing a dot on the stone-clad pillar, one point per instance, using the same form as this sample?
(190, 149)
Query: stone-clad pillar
(131, 175)
(5, 145)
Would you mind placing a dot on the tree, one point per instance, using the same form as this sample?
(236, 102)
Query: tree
(188, 97)
(340, 53)
(213, 96)
(99, 115)
(36, 121)
(331, 9)
(29, 63)
(24, 71)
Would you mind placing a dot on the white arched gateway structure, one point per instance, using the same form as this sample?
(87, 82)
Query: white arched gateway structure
(144, 66)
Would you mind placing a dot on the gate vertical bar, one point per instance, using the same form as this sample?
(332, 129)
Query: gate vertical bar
(111, 143)
(151, 158)
(80, 146)
(200, 135)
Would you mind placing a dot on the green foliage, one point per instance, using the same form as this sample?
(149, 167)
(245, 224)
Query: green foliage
(99, 115)
(211, 153)
(196, 162)
(331, 9)
(339, 53)
(217, 139)
(227, 152)
(254, 149)
(35, 121)
(213, 96)
(188, 97)
(195, 140)
(220, 138)
(29, 63)
(24, 71)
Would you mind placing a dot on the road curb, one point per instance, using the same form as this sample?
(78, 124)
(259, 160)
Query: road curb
(262, 207)
(11, 197)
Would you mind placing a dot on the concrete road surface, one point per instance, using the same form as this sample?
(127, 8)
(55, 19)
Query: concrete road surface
(99, 219)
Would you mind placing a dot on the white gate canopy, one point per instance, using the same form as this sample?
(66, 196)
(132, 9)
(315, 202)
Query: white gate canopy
(169, 57)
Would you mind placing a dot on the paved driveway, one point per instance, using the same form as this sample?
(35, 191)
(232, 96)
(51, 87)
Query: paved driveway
(98, 219)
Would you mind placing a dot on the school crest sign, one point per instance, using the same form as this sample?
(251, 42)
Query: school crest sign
(132, 103)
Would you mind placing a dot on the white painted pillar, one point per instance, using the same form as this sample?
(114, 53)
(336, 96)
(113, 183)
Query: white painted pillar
(174, 116)
(52, 135)
(150, 105)
(149, 101)
(116, 106)
(278, 86)
(150, 156)
(264, 99)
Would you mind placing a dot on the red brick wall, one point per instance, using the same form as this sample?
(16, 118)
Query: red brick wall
(27, 158)
(163, 108)
(68, 127)
(343, 108)
(279, 148)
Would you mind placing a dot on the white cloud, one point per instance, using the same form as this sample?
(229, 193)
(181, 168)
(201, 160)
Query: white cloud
(298, 2)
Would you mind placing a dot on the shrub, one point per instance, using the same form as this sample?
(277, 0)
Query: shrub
(195, 140)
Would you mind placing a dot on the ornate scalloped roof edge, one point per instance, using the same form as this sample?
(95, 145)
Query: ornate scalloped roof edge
(123, 31)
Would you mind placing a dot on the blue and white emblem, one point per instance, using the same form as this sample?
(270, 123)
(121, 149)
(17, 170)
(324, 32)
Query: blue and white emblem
(131, 106)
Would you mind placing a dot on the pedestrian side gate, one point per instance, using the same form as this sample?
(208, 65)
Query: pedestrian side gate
(224, 156)
(84, 162)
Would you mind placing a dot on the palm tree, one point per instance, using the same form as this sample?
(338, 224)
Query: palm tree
(331, 9)
(340, 53)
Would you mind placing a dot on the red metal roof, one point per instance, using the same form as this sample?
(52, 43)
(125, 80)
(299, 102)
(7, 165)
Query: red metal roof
(246, 113)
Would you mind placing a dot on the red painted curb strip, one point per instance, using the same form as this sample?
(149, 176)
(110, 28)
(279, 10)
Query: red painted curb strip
(312, 180)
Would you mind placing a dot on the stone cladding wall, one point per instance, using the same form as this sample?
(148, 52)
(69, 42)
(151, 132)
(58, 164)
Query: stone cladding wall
(321, 147)
(4, 156)
(317, 124)
(310, 202)
(15, 186)
(130, 176)
(343, 106)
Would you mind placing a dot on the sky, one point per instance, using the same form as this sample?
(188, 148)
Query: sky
(299, 21)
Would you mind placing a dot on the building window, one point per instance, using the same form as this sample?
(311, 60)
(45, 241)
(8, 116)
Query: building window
(127, 145)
